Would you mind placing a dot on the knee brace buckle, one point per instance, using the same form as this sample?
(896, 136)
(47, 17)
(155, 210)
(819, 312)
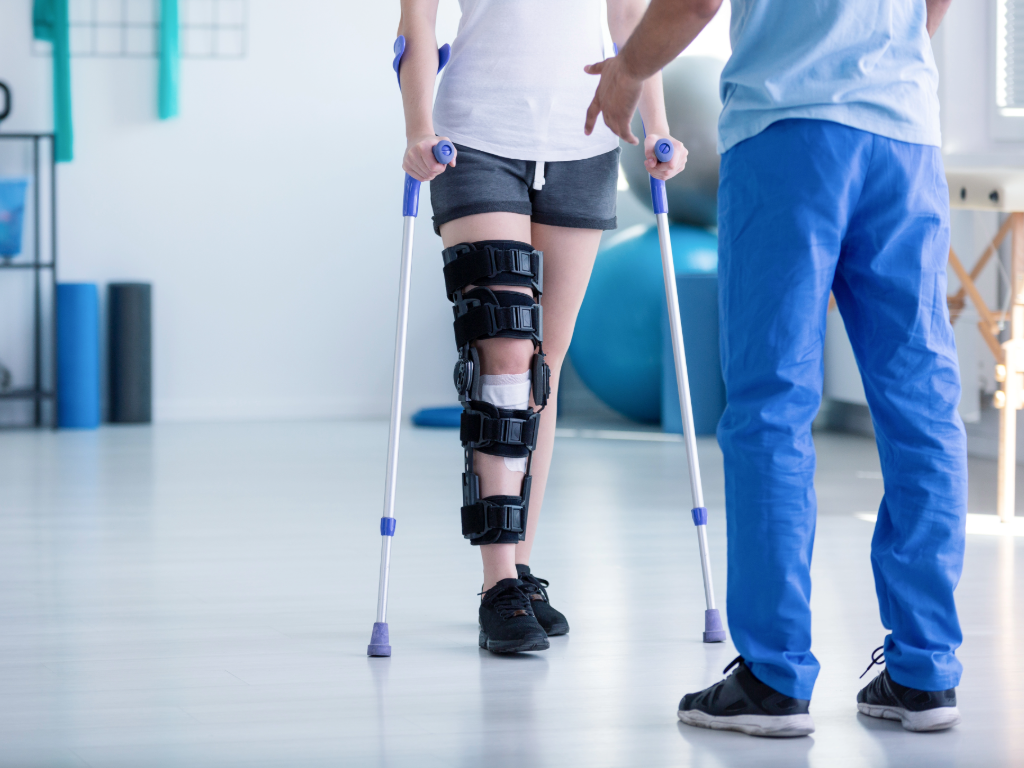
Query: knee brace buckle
(484, 313)
(498, 431)
(494, 513)
(492, 262)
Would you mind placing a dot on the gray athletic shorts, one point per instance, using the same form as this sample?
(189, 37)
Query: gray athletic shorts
(576, 193)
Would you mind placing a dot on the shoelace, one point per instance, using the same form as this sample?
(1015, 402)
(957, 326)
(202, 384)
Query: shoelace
(512, 599)
(876, 658)
(733, 663)
(538, 585)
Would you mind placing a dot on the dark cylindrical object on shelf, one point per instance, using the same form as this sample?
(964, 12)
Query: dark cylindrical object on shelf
(130, 351)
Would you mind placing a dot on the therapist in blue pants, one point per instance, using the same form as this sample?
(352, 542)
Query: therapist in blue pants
(831, 180)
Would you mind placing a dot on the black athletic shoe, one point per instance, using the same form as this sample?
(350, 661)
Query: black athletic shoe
(553, 622)
(507, 623)
(916, 710)
(743, 703)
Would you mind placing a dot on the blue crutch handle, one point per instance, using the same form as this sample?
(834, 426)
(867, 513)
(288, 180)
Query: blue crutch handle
(663, 150)
(444, 151)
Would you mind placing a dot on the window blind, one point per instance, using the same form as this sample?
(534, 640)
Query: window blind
(1010, 57)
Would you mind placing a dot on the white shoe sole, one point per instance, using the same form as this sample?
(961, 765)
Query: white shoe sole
(779, 726)
(938, 719)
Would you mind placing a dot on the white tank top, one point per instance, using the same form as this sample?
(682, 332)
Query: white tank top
(515, 84)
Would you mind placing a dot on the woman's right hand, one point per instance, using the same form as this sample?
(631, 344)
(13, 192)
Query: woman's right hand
(419, 161)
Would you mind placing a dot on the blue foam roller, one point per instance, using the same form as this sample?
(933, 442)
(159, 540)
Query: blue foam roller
(78, 356)
(449, 417)
(12, 214)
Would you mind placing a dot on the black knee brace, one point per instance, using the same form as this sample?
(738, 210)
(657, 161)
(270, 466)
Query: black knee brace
(482, 313)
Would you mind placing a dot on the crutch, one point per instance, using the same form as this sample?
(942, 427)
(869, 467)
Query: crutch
(713, 630)
(443, 153)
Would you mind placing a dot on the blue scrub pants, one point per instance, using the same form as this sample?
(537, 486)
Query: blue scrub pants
(805, 207)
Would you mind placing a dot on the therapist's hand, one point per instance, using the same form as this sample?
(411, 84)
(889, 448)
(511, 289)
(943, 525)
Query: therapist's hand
(618, 94)
(664, 171)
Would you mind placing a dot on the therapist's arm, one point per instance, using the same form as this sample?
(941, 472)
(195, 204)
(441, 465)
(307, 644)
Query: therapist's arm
(936, 10)
(623, 18)
(666, 28)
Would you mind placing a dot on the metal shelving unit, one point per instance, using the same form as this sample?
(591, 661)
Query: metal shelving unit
(42, 270)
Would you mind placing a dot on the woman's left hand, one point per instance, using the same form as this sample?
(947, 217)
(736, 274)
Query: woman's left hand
(664, 171)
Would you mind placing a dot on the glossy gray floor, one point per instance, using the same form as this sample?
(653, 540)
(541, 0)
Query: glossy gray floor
(203, 595)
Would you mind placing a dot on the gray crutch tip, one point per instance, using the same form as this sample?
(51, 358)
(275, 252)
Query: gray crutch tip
(714, 632)
(379, 641)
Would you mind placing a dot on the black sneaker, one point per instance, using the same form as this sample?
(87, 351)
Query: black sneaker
(743, 703)
(507, 623)
(553, 622)
(916, 710)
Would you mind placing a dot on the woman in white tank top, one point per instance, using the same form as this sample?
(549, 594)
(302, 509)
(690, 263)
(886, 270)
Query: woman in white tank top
(526, 180)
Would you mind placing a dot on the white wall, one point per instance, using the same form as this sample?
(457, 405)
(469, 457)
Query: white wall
(267, 216)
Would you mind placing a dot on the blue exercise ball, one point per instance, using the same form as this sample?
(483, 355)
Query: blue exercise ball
(617, 346)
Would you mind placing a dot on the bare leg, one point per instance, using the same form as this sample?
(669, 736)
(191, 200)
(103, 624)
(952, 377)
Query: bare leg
(568, 260)
(497, 356)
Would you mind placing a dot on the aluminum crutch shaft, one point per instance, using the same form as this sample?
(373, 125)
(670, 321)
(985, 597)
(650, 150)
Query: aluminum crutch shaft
(444, 153)
(713, 631)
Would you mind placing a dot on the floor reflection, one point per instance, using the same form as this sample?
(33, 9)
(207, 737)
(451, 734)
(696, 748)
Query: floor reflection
(713, 749)
(380, 671)
(1009, 649)
(897, 748)
(508, 717)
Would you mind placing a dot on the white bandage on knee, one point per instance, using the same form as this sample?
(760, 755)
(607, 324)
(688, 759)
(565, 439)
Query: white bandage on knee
(507, 390)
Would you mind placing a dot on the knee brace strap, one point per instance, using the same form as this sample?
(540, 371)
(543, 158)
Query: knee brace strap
(495, 519)
(499, 431)
(492, 262)
(484, 313)
(495, 513)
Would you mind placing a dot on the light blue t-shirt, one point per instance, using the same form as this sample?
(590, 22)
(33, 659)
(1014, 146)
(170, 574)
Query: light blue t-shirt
(867, 64)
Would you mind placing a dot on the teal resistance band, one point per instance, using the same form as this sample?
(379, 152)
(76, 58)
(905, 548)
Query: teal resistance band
(50, 22)
(170, 59)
